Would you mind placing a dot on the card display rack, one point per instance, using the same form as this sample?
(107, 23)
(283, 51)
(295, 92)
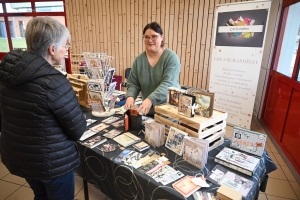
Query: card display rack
(211, 129)
(79, 85)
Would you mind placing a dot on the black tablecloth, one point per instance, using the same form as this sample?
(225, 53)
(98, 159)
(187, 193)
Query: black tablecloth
(119, 181)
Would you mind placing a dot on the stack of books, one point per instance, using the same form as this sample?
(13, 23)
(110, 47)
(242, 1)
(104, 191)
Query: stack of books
(141, 146)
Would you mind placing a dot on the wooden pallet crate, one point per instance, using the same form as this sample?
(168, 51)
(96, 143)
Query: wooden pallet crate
(211, 129)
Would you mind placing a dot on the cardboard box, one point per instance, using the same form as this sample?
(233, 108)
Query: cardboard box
(227, 193)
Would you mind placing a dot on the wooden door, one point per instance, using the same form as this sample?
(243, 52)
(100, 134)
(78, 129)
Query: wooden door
(281, 112)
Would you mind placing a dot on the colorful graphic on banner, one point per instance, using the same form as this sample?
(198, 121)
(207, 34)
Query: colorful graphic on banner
(236, 58)
(241, 28)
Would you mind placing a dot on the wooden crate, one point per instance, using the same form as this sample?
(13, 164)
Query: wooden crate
(211, 129)
(79, 85)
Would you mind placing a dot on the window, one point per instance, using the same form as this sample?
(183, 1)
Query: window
(289, 41)
(15, 16)
(18, 7)
(51, 6)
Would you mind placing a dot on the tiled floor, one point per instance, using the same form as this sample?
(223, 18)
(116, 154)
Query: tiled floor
(281, 185)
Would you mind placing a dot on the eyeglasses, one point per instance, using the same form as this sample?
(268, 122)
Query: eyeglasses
(67, 46)
(152, 37)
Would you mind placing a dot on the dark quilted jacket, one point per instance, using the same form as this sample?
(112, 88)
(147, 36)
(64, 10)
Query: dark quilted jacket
(41, 118)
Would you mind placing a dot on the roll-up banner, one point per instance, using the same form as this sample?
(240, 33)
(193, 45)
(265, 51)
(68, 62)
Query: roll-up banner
(240, 30)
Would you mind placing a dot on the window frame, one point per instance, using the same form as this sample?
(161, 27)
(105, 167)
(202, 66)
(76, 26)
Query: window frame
(5, 15)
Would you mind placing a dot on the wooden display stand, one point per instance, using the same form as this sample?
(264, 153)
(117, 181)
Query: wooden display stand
(78, 82)
(211, 129)
(78, 64)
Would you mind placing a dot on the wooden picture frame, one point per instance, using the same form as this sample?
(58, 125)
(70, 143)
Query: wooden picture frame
(205, 102)
(186, 101)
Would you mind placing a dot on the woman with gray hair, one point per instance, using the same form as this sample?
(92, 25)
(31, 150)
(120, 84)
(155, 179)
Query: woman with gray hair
(41, 117)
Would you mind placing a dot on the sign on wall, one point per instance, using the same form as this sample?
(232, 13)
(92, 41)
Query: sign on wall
(237, 52)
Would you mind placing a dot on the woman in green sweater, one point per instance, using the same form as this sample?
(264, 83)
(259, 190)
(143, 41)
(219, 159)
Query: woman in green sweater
(152, 72)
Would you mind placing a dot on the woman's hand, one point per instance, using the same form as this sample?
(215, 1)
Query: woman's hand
(145, 107)
(129, 103)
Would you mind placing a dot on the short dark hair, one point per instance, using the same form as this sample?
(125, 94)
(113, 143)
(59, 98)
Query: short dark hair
(155, 27)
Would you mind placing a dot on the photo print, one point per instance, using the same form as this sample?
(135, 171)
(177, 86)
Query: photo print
(109, 76)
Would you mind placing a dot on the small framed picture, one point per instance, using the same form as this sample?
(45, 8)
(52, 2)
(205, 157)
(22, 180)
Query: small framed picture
(204, 102)
(185, 105)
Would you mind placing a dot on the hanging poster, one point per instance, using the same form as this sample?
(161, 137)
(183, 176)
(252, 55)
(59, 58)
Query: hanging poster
(240, 30)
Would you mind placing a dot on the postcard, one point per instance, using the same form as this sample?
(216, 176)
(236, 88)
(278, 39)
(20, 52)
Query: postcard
(109, 76)
(185, 186)
(112, 133)
(122, 155)
(95, 141)
(95, 95)
(87, 134)
(118, 123)
(217, 174)
(145, 168)
(175, 140)
(131, 158)
(96, 105)
(95, 86)
(90, 121)
(110, 120)
(99, 127)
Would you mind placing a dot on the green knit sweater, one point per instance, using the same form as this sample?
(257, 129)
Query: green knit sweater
(153, 82)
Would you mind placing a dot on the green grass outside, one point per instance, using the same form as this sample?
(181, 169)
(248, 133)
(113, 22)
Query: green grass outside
(17, 43)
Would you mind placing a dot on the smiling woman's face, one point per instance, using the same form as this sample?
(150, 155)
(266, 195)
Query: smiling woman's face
(152, 40)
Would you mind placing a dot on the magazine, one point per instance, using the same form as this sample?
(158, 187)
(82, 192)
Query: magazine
(185, 186)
